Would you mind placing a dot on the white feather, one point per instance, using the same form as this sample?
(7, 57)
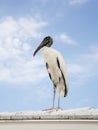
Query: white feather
(50, 56)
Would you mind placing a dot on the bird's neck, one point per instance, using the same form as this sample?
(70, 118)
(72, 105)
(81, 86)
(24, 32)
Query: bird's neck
(45, 50)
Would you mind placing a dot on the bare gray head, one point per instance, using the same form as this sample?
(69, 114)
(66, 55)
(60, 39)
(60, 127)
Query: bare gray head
(47, 41)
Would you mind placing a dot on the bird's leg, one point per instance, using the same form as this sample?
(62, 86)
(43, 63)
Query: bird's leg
(52, 108)
(58, 108)
(59, 102)
(53, 98)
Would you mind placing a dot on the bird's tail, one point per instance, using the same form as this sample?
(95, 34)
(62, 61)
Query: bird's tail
(61, 90)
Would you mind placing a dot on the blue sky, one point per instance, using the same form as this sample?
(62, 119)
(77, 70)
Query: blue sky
(24, 82)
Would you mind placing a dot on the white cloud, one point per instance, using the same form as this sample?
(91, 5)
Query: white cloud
(76, 69)
(26, 47)
(77, 2)
(66, 39)
(16, 61)
(84, 67)
(20, 29)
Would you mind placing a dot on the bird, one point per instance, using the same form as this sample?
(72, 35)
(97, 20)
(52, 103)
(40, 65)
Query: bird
(57, 69)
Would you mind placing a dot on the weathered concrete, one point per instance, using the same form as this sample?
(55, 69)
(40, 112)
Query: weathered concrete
(49, 125)
(88, 113)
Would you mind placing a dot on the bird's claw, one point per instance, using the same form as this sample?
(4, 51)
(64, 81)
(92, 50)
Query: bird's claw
(49, 109)
(58, 108)
(53, 108)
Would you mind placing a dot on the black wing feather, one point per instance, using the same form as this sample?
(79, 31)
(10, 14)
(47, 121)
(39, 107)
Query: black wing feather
(62, 77)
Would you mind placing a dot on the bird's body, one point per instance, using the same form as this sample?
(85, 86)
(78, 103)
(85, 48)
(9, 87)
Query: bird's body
(56, 68)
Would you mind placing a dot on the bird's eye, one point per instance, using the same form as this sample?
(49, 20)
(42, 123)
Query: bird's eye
(46, 43)
(46, 38)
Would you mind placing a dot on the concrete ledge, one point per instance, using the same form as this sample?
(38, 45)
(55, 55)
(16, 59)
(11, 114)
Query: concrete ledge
(88, 113)
(49, 125)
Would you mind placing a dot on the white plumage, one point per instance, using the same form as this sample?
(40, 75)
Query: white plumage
(56, 68)
(51, 56)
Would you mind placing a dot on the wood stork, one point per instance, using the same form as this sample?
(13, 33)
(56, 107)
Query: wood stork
(56, 68)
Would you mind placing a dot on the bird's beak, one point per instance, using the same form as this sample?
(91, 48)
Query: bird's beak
(38, 48)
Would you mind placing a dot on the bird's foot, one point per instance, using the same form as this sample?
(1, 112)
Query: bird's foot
(49, 109)
(58, 108)
(53, 108)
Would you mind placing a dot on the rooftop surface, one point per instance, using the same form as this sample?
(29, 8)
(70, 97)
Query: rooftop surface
(88, 113)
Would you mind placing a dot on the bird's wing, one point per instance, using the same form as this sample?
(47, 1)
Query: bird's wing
(63, 68)
(57, 69)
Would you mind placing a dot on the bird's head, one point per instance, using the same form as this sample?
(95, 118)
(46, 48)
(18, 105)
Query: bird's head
(47, 41)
